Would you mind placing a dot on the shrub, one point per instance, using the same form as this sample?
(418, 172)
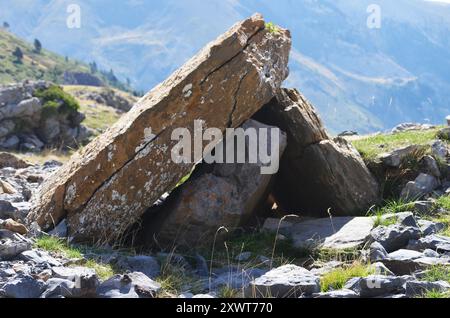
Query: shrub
(56, 101)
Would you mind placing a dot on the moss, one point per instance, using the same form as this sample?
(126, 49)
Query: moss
(272, 28)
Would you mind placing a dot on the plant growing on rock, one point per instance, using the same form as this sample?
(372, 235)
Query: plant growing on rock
(55, 101)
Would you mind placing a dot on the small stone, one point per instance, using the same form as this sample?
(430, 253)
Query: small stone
(140, 263)
(289, 281)
(7, 210)
(336, 294)
(423, 185)
(394, 237)
(12, 244)
(39, 257)
(133, 285)
(60, 230)
(429, 228)
(377, 252)
(14, 226)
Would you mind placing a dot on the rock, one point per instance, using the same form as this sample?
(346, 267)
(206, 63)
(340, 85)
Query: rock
(289, 281)
(12, 244)
(394, 237)
(109, 185)
(377, 252)
(376, 285)
(395, 158)
(405, 262)
(423, 185)
(243, 257)
(32, 143)
(322, 269)
(204, 296)
(416, 289)
(60, 230)
(317, 175)
(39, 257)
(145, 264)
(410, 127)
(134, 285)
(431, 254)
(13, 226)
(429, 228)
(23, 286)
(72, 273)
(229, 196)
(10, 142)
(435, 242)
(439, 149)
(85, 279)
(6, 188)
(337, 294)
(424, 207)
(235, 277)
(6, 128)
(381, 269)
(8, 160)
(338, 233)
(7, 210)
(444, 134)
(405, 219)
(60, 288)
(430, 166)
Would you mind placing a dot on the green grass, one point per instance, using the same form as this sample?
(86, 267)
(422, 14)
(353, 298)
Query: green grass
(336, 279)
(444, 203)
(58, 246)
(227, 292)
(103, 271)
(272, 28)
(390, 207)
(372, 147)
(381, 220)
(437, 273)
(435, 294)
(175, 279)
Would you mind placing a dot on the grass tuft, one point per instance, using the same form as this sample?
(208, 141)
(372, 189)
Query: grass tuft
(437, 273)
(58, 246)
(336, 279)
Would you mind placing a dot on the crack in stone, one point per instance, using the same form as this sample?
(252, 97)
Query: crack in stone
(232, 58)
(235, 95)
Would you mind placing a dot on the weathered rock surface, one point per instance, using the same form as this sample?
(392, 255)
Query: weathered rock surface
(423, 185)
(229, 197)
(8, 160)
(109, 184)
(133, 285)
(317, 173)
(287, 281)
(23, 286)
(395, 158)
(12, 244)
(376, 285)
(416, 289)
(335, 233)
(395, 236)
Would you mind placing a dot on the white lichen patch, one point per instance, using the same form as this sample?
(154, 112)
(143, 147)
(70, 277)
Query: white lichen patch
(187, 90)
(71, 193)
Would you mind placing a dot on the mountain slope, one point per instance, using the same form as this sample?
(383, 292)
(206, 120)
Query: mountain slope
(359, 78)
(43, 65)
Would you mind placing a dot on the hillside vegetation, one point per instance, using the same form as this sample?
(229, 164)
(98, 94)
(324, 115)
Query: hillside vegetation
(42, 65)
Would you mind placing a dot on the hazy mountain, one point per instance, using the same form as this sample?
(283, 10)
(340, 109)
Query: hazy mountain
(359, 78)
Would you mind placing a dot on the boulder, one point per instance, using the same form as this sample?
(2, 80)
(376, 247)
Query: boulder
(395, 158)
(376, 285)
(435, 242)
(8, 160)
(133, 285)
(439, 149)
(444, 133)
(7, 210)
(13, 226)
(12, 244)
(140, 263)
(336, 233)
(423, 185)
(229, 196)
(289, 281)
(430, 166)
(394, 237)
(429, 228)
(416, 289)
(377, 252)
(108, 185)
(317, 175)
(39, 258)
(23, 286)
(405, 262)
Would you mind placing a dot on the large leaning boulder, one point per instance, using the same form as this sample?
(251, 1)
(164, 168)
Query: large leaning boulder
(108, 185)
(229, 195)
(317, 174)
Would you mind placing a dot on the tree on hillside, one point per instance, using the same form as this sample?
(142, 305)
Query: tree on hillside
(128, 82)
(37, 46)
(112, 77)
(5, 25)
(94, 68)
(18, 54)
